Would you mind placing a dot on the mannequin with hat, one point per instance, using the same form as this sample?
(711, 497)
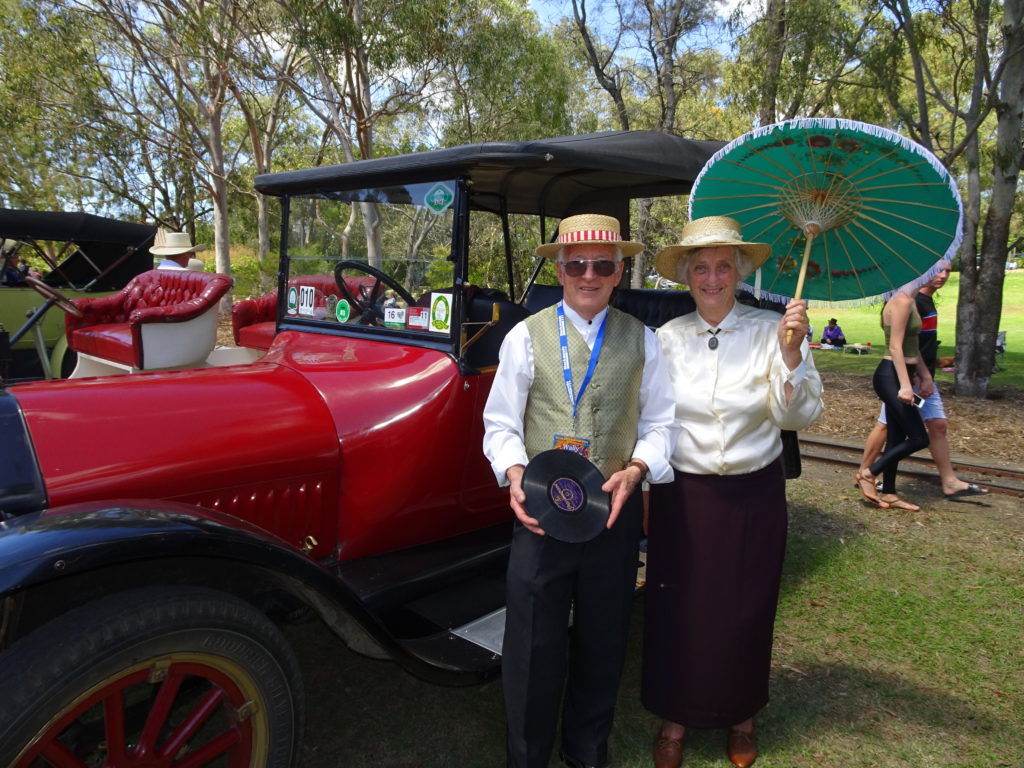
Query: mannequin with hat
(175, 250)
(717, 533)
(584, 377)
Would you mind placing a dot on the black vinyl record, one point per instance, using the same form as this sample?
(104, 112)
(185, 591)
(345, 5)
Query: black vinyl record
(563, 492)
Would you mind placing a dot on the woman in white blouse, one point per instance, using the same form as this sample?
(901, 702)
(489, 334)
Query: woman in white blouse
(717, 533)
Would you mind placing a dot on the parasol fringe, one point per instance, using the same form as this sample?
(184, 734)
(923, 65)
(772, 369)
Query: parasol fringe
(769, 296)
(865, 301)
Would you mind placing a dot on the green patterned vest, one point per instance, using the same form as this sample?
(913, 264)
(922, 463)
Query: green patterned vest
(609, 412)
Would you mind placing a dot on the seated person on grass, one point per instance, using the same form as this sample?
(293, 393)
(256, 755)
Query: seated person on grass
(833, 334)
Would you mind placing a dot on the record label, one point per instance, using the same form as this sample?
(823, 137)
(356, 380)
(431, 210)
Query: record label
(563, 492)
(567, 494)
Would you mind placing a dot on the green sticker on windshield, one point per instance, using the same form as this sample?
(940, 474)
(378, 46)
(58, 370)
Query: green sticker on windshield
(342, 311)
(439, 197)
(440, 312)
(293, 300)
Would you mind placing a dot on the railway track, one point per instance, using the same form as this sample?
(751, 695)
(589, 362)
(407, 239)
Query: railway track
(997, 479)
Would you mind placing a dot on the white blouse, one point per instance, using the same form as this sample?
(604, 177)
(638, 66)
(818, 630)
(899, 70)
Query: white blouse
(731, 401)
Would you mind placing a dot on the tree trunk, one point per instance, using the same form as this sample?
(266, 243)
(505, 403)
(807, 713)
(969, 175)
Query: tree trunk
(262, 228)
(775, 21)
(640, 234)
(978, 318)
(219, 193)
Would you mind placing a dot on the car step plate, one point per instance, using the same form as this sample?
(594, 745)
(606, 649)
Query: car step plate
(487, 631)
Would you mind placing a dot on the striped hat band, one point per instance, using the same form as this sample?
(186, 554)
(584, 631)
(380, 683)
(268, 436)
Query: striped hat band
(589, 235)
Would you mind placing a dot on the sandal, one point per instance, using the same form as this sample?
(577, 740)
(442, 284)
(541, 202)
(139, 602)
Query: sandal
(902, 504)
(867, 490)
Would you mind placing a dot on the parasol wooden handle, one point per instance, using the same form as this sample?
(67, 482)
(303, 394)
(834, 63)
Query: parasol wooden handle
(810, 231)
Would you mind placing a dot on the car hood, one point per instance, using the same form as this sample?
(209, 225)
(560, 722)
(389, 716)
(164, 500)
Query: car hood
(176, 435)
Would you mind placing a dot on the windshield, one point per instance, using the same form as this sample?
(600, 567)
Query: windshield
(375, 258)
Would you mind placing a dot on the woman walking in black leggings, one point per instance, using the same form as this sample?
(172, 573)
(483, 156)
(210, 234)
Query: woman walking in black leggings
(895, 379)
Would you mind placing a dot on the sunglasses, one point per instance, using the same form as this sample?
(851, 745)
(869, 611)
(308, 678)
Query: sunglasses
(578, 268)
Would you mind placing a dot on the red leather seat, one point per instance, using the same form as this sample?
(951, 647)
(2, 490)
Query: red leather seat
(132, 327)
(254, 321)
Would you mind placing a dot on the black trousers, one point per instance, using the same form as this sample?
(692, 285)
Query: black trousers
(546, 580)
(905, 433)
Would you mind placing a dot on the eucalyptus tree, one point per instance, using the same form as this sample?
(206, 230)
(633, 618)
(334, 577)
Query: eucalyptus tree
(508, 81)
(981, 291)
(365, 62)
(798, 59)
(263, 67)
(640, 53)
(182, 54)
(953, 74)
(47, 97)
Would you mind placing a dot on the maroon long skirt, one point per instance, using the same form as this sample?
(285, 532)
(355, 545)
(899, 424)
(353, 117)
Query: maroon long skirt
(714, 559)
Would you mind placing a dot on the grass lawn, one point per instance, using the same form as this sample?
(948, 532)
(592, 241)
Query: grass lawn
(861, 326)
(898, 643)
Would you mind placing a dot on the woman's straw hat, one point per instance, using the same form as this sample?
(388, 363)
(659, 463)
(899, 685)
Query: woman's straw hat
(708, 232)
(174, 244)
(589, 228)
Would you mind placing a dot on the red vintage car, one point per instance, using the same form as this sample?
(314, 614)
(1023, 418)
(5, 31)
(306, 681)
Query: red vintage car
(157, 528)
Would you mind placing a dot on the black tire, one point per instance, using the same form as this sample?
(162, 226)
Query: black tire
(149, 658)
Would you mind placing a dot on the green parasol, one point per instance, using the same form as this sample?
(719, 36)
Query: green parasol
(869, 210)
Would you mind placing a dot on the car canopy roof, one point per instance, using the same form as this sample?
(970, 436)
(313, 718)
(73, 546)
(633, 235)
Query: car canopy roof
(71, 226)
(100, 242)
(597, 172)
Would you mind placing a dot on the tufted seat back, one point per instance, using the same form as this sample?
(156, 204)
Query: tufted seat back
(111, 327)
(651, 307)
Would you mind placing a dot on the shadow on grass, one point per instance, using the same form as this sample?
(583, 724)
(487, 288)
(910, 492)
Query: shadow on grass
(369, 714)
(362, 713)
(826, 709)
(816, 537)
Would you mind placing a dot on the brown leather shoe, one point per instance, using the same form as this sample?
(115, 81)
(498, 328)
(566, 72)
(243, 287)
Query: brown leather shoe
(668, 753)
(742, 747)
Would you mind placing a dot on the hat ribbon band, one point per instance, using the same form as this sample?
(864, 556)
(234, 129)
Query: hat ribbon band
(713, 236)
(584, 235)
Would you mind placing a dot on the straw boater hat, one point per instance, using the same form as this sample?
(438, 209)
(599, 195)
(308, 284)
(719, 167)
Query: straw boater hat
(589, 228)
(174, 244)
(708, 232)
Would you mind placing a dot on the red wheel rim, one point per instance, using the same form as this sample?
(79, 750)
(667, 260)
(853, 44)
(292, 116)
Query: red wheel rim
(175, 711)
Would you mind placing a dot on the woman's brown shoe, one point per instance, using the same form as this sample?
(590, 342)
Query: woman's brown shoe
(742, 747)
(668, 753)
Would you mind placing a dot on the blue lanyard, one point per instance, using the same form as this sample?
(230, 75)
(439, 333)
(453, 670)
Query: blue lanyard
(574, 399)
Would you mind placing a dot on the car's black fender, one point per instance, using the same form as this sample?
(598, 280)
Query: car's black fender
(59, 558)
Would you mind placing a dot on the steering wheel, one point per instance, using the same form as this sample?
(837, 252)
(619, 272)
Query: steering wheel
(52, 294)
(362, 304)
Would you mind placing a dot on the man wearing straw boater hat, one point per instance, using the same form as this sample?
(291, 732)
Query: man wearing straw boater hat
(583, 377)
(175, 250)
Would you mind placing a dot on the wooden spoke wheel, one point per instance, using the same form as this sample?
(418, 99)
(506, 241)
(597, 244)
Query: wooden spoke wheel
(158, 678)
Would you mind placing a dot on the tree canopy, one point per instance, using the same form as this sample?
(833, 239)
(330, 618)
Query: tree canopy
(164, 110)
